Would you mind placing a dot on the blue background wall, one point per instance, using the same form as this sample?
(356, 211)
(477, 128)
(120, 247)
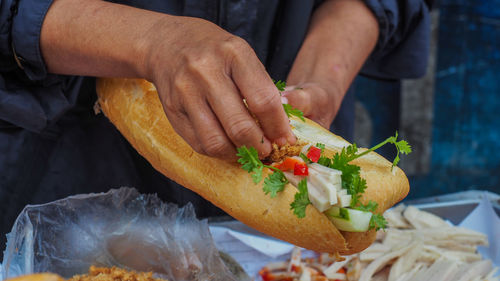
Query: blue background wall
(466, 123)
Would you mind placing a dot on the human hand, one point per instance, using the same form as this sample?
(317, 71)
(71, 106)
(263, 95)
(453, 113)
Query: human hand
(202, 78)
(341, 36)
(317, 101)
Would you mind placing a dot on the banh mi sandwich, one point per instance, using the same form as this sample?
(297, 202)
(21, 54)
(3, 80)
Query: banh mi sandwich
(310, 209)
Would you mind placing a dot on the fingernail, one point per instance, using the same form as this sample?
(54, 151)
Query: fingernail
(291, 139)
(289, 88)
(284, 99)
(265, 151)
(281, 141)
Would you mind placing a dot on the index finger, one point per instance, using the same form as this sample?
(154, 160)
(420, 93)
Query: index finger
(263, 98)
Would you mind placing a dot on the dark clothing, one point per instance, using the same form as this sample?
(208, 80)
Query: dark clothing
(53, 145)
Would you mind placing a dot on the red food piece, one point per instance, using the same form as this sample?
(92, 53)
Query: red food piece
(314, 154)
(296, 268)
(300, 169)
(288, 164)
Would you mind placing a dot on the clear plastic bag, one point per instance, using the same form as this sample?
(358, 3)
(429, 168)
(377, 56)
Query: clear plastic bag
(118, 228)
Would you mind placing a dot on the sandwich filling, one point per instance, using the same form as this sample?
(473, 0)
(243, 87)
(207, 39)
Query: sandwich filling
(332, 185)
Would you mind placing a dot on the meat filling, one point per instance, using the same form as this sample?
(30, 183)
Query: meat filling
(281, 152)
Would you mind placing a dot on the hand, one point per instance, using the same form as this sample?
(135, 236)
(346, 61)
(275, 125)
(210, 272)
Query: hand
(317, 101)
(202, 79)
(341, 35)
(202, 72)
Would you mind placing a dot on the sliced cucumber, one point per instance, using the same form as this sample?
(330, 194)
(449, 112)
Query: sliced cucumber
(333, 212)
(349, 219)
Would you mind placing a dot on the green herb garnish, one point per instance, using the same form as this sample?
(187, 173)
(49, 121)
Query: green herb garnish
(289, 110)
(280, 85)
(377, 221)
(352, 180)
(305, 158)
(301, 200)
(249, 159)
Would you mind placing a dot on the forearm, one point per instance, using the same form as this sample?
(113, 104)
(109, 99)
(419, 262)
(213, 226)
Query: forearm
(341, 36)
(201, 71)
(96, 38)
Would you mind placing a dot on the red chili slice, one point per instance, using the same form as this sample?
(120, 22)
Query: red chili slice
(300, 169)
(314, 154)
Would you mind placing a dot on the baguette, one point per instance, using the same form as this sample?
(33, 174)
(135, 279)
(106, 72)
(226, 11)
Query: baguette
(134, 108)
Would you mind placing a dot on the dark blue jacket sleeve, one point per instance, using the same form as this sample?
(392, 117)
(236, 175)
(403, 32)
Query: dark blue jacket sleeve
(403, 46)
(29, 97)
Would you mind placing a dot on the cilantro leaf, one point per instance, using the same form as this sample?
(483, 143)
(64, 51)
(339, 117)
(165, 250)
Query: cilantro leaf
(304, 158)
(325, 161)
(250, 162)
(378, 222)
(280, 85)
(346, 155)
(402, 146)
(249, 158)
(274, 183)
(301, 200)
(257, 174)
(370, 207)
(289, 110)
(351, 179)
(356, 187)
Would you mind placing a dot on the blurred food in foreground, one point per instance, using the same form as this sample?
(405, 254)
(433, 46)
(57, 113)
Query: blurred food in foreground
(38, 277)
(114, 274)
(416, 246)
(95, 274)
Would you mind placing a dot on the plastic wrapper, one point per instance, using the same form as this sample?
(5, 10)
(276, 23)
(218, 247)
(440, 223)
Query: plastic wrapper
(118, 228)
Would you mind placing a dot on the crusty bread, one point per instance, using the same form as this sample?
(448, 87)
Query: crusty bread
(134, 108)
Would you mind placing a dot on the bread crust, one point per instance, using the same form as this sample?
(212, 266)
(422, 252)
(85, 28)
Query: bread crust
(134, 108)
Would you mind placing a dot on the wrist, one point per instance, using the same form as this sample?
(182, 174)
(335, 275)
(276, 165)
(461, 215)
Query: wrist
(163, 47)
(334, 79)
(149, 58)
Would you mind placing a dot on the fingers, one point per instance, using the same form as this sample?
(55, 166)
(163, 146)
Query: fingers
(313, 101)
(299, 99)
(262, 97)
(185, 130)
(203, 98)
(210, 136)
(213, 124)
(239, 125)
(191, 117)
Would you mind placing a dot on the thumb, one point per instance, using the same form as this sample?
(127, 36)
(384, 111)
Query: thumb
(300, 99)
